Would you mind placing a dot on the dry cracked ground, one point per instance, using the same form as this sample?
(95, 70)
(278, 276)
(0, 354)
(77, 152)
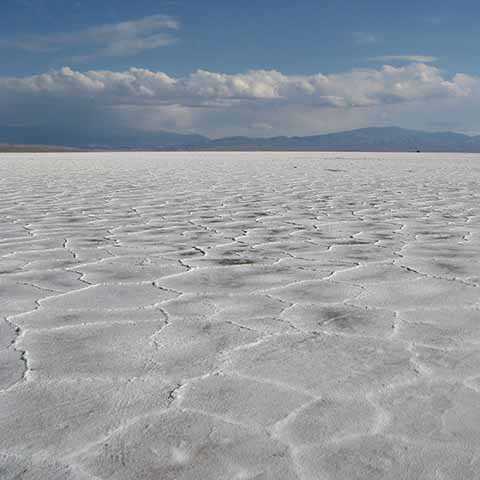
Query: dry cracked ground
(239, 316)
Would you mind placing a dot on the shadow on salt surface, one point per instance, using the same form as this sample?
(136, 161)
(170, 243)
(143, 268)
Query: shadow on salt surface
(238, 279)
(129, 269)
(342, 319)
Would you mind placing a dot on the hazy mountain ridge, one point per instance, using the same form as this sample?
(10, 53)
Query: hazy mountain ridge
(364, 139)
(87, 139)
(378, 139)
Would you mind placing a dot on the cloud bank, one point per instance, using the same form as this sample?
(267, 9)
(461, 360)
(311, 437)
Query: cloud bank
(202, 88)
(203, 100)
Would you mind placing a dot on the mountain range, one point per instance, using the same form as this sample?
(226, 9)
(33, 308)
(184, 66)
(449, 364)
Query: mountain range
(373, 139)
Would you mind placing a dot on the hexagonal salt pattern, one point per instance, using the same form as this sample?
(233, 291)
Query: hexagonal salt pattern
(283, 316)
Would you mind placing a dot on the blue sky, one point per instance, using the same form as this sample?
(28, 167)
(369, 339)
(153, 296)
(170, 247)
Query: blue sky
(429, 43)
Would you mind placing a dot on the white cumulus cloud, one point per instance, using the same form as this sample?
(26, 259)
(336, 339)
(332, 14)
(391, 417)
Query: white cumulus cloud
(202, 88)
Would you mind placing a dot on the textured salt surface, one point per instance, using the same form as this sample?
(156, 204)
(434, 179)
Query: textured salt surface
(228, 316)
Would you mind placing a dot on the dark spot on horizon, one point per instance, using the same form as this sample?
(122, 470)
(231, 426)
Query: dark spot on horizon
(235, 261)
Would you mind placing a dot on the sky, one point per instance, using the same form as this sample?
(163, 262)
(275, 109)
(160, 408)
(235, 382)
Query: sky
(240, 67)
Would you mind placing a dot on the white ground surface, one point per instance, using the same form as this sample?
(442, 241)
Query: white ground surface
(239, 316)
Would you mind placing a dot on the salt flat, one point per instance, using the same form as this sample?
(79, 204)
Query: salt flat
(204, 316)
